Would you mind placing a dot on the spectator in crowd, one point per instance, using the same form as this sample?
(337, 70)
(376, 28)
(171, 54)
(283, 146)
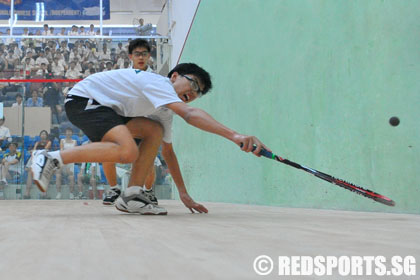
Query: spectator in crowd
(9, 40)
(91, 31)
(108, 66)
(67, 169)
(61, 60)
(38, 42)
(4, 133)
(28, 67)
(73, 73)
(19, 101)
(104, 55)
(119, 48)
(75, 54)
(82, 31)
(63, 47)
(52, 98)
(14, 87)
(57, 68)
(25, 42)
(43, 144)
(73, 32)
(41, 59)
(12, 60)
(45, 32)
(9, 166)
(31, 47)
(43, 70)
(3, 61)
(122, 57)
(48, 54)
(28, 55)
(62, 34)
(90, 70)
(35, 101)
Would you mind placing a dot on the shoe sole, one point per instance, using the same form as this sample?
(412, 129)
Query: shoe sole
(107, 203)
(146, 213)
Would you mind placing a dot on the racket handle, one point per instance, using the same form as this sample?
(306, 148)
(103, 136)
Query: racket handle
(263, 152)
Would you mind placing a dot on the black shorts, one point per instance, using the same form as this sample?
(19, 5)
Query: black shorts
(94, 120)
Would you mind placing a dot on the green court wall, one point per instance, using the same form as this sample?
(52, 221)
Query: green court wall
(317, 82)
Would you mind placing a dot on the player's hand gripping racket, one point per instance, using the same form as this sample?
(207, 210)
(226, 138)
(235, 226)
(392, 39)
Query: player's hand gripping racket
(348, 186)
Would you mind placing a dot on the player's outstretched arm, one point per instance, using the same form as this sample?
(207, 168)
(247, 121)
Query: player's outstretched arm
(202, 120)
(172, 162)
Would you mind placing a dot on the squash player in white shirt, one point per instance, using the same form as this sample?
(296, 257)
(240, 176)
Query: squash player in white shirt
(105, 103)
(139, 53)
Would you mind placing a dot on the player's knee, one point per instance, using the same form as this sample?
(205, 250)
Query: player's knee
(129, 154)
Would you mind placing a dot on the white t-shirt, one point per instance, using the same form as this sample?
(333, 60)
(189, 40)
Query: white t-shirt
(129, 92)
(165, 117)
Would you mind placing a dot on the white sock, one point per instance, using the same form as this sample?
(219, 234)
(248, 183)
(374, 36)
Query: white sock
(57, 156)
(132, 190)
(116, 187)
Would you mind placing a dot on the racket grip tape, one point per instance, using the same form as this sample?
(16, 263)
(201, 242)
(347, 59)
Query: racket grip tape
(263, 152)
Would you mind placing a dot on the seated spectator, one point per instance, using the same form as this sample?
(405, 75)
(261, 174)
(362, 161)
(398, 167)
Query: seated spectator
(57, 68)
(90, 70)
(77, 66)
(12, 60)
(61, 60)
(9, 166)
(31, 47)
(119, 48)
(28, 67)
(41, 59)
(104, 55)
(67, 169)
(73, 73)
(42, 71)
(48, 54)
(35, 101)
(4, 133)
(121, 59)
(108, 66)
(28, 55)
(18, 102)
(43, 144)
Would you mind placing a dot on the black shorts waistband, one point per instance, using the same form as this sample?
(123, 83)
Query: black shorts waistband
(80, 98)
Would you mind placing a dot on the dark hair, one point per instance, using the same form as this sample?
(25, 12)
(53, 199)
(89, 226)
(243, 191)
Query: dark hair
(69, 128)
(18, 95)
(45, 132)
(138, 43)
(194, 69)
(12, 143)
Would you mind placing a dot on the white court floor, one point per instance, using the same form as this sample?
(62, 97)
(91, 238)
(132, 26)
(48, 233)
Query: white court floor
(79, 240)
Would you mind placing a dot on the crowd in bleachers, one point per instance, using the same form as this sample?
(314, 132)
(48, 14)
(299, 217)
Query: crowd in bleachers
(68, 58)
(52, 58)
